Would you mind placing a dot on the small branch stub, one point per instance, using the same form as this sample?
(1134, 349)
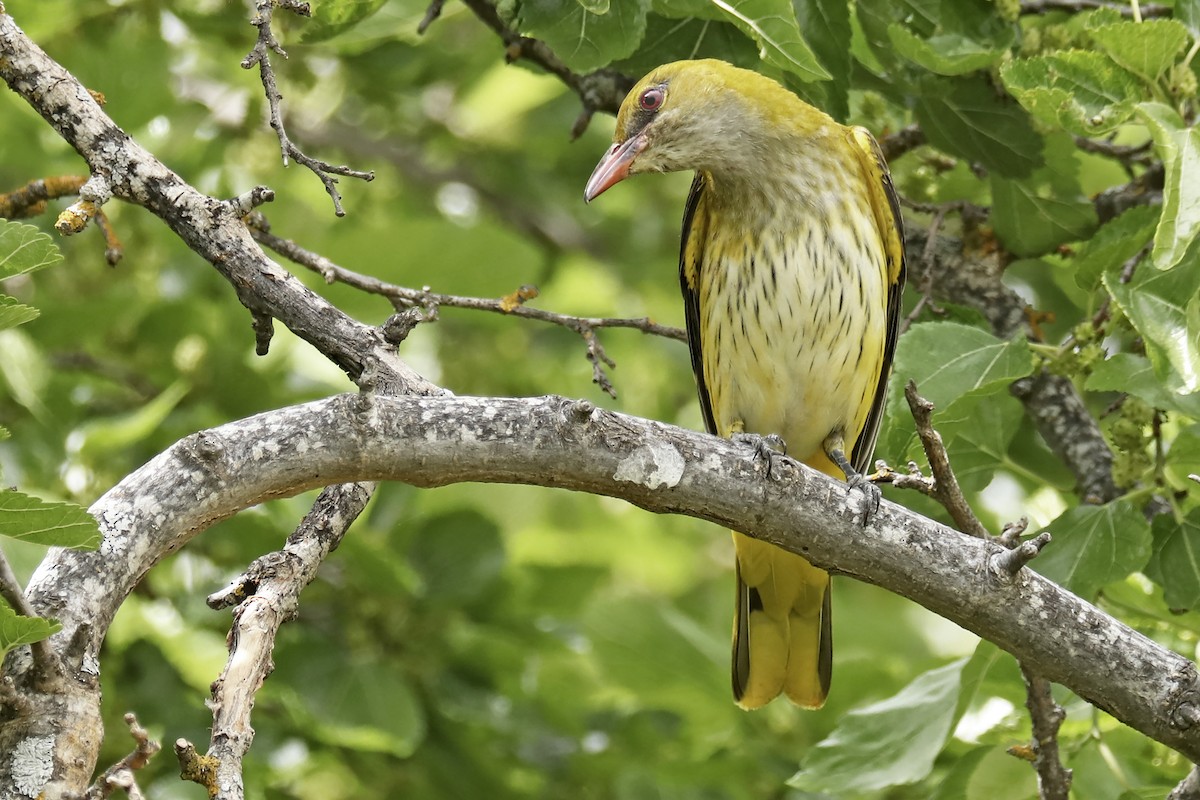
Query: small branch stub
(92, 195)
(1009, 562)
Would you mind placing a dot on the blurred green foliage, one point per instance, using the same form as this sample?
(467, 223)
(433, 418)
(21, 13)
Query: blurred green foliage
(504, 641)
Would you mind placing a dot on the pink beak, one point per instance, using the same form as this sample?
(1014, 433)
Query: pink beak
(614, 167)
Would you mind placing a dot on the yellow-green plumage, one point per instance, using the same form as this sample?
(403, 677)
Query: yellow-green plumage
(791, 269)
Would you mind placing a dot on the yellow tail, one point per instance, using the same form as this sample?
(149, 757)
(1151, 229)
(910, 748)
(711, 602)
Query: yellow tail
(782, 639)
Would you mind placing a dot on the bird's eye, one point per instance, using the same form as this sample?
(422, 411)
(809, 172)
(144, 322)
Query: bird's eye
(652, 99)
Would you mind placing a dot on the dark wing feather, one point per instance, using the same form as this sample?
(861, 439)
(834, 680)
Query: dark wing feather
(886, 205)
(691, 258)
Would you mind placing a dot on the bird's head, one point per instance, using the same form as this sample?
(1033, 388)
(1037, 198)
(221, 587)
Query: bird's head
(696, 115)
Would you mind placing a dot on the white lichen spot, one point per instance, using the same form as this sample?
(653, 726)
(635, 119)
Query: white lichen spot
(654, 465)
(33, 764)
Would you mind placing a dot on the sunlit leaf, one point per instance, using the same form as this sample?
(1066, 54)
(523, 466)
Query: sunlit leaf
(1179, 148)
(889, 743)
(46, 522)
(14, 313)
(1079, 90)
(947, 53)
(1165, 309)
(24, 248)
(772, 24)
(1147, 48)
(1095, 545)
(1128, 372)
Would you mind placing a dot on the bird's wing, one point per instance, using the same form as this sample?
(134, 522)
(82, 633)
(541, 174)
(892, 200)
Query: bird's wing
(691, 256)
(886, 206)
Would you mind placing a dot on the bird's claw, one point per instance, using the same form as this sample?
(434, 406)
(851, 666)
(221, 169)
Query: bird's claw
(767, 448)
(872, 495)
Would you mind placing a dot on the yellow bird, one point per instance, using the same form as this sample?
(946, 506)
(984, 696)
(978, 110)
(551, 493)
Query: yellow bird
(792, 267)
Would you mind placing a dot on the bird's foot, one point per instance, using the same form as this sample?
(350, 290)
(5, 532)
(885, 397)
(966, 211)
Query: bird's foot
(766, 448)
(871, 495)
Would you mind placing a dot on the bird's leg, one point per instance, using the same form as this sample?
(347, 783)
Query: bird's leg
(767, 448)
(835, 447)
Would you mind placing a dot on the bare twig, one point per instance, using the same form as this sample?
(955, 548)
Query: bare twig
(195, 767)
(1128, 155)
(602, 90)
(260, 56)
(926, 298)
(429, 302)
(94, 193)
(46, 662)
(946, 488)
(30, 199)
(431, 14)
(1019, 554)
(1188, 788)
(121, 774)
(900, 142)
(266, 596)
(1054, 780)
(114, 251)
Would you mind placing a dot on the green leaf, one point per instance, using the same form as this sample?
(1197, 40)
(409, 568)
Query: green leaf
(919, 17)
(1113, 244)
(1034, 215)
(23, 248)
(46, 522)
(669, 39)
(458, 556)
(1183, 458)
(359, 704)
(109, 434)
(988, 773)
(1175, 564)
(331, 17)
(826, 25)
(1079, 90)
(1188, 13)
(1128, 372)
(772, 25)
(889, 743)
(661, 655)
(949, 361)
(1165, 309)
(1094, 546)
(14, 313)
(585, 41)
(25, 369)
(595, 6)
(1179, 148)
(971, 121)
(16, 630)
(949, 53)
(1147, 48)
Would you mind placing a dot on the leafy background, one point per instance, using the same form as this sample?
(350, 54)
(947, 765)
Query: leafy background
(499, 641)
